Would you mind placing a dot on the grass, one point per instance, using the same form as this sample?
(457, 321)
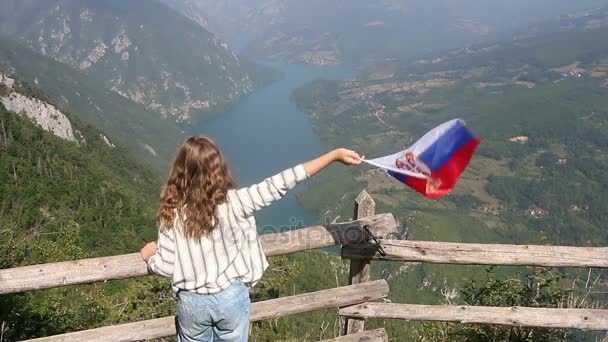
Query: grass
(474, 180)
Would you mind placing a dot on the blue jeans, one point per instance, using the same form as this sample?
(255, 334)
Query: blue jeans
(222, 316)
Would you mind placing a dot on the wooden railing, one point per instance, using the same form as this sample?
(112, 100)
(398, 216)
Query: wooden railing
(280, 307)
(583, 319)
(353, 300)
(480, 254)
(471, 254)
(87, 271)
(45, 276)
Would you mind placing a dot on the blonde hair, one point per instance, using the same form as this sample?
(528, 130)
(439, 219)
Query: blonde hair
(198, 183)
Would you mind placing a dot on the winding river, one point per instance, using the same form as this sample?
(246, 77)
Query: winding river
(265, 133)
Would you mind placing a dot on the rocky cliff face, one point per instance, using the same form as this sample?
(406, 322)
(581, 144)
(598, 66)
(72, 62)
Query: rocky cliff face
(142, 50)
(72, 91)
(45, 115)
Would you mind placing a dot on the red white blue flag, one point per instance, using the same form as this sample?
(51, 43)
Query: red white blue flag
(434, 163)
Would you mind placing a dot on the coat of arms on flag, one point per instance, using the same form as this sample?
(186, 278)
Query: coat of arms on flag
(434, 163)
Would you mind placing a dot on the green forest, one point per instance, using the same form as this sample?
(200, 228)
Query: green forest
(62, 200)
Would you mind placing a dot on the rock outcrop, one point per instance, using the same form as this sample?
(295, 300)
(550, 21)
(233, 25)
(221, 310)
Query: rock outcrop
(45, 115)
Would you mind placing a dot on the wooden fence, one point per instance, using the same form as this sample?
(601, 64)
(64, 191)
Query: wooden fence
(88, 271)
(584, 319)
(353, 300)
(280, 307)
(92, 270)
(471, 254)
(480, 254)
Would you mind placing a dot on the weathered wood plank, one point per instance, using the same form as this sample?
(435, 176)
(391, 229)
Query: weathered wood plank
(292, 241)
(482, 254)
(162, 327)
(377, 335)
(331, 298)
(137, 331)
(86, 271)
(359, 268)
(71, 272)
(583, 319)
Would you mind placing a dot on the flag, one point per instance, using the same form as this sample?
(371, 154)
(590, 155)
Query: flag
(434, 163)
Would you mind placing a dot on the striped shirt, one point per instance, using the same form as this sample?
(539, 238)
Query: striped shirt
(231, 250)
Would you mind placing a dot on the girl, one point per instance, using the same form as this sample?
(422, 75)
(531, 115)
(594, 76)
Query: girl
(207, 239)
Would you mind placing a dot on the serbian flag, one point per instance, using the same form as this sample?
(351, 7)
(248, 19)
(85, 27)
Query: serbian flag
(434, 163)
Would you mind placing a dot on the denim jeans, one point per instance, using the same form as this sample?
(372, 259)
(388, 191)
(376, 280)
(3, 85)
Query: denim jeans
(222, 316)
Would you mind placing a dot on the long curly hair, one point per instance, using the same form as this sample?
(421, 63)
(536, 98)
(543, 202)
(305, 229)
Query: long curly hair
(198, 183)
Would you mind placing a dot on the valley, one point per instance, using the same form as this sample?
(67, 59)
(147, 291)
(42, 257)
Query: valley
(505, 100)
(538, 177)
(266, 133)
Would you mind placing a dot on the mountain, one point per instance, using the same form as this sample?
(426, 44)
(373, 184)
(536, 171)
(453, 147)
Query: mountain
(140, 49)
(361, 31)
(148, 136)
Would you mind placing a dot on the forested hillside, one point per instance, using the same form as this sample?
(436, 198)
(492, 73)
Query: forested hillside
(65, 199)
(147, 135)
(140, 49)
(539, 106)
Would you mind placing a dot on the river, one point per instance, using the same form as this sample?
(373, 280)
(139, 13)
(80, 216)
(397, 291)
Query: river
(265, 133)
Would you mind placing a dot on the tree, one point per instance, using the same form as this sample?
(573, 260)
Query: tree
(537, 289)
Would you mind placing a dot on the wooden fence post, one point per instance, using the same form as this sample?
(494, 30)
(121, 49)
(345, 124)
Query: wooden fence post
(359, 269)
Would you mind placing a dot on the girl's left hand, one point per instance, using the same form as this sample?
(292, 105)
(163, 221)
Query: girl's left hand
(148, 251)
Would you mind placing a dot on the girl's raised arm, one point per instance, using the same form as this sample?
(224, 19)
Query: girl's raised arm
(274, 188)
(342, 155)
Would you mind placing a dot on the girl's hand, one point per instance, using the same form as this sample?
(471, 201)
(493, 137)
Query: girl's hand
(348, 157)
(343, 155)
(148, 251)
